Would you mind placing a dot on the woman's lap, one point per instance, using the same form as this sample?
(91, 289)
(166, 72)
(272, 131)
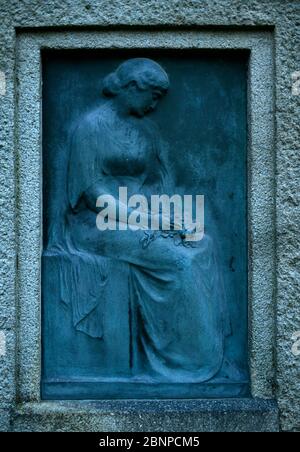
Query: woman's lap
(161, 253)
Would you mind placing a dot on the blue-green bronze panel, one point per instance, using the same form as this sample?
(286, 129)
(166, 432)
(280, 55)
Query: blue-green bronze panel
(144, 314)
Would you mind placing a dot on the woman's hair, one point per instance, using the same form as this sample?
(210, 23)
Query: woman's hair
(143, 71)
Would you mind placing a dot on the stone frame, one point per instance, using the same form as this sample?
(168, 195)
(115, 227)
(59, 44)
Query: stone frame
(261, 208)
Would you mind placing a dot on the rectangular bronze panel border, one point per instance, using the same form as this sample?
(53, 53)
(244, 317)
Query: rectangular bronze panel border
(261, 184)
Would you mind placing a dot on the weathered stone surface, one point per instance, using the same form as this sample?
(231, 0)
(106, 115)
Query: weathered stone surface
(153, 416)
(284, 17)
(4, 420)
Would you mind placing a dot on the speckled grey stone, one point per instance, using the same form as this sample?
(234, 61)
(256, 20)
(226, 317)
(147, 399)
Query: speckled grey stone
(5, 419)
(282, 18)
(150, 416)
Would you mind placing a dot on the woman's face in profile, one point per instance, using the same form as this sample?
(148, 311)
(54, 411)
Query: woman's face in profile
(140, 102)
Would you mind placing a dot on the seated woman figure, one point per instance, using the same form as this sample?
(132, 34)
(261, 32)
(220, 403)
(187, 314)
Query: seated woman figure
(178, 311)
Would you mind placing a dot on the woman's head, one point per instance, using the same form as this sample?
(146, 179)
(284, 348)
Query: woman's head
(137, 84)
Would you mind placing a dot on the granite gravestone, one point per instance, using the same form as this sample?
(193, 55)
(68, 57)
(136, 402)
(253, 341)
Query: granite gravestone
(137, 312)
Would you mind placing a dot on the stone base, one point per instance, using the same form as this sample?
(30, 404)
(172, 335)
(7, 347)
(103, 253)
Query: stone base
(4, 420)
(244, 415)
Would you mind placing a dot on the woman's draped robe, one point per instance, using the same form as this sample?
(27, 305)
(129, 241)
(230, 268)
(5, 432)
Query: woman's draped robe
(178, 315)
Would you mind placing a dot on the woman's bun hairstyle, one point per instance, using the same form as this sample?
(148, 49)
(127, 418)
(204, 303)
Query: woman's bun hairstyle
(111, 85)
(143, 71)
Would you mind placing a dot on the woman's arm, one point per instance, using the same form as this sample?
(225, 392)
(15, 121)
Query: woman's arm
(122, 211)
